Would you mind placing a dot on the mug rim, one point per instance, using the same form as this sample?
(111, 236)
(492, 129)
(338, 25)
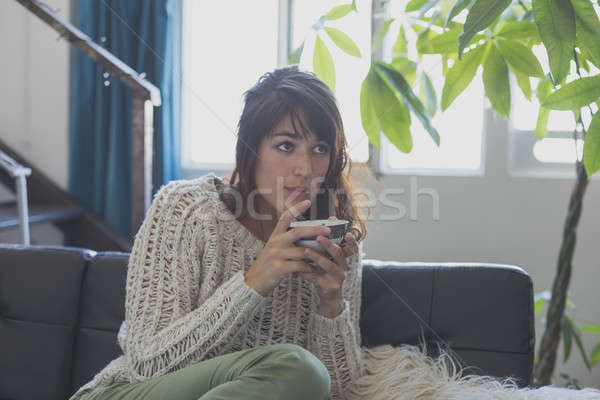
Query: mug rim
(319, 222)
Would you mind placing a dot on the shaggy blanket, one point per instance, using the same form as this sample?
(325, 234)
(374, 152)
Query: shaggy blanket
(407, 372)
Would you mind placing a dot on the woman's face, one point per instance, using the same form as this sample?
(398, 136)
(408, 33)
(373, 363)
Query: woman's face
(287, 160)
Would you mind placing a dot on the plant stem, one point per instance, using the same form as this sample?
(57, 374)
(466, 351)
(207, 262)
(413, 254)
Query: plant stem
(551, 337)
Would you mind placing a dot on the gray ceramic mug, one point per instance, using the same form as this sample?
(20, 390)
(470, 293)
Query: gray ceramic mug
(339, 228)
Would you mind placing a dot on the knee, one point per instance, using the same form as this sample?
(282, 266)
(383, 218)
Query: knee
(309, 371)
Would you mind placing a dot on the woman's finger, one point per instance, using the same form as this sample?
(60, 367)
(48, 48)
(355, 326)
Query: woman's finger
(325, 263)
(350, 246)
(333, 249)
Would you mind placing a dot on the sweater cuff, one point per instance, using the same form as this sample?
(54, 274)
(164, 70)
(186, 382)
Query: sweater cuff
(247, 296)
(331, 326)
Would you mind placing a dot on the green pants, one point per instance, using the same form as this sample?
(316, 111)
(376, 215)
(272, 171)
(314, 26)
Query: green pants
(279, 371)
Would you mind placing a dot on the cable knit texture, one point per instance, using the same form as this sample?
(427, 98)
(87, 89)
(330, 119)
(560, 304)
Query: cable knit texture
(187, 301)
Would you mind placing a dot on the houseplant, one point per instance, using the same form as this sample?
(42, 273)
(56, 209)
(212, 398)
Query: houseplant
(499, 36)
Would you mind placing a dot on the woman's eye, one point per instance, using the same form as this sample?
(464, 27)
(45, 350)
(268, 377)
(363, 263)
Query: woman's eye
(283, 144)
(324, 148)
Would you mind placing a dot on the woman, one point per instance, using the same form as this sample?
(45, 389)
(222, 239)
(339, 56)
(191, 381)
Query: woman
(220, 303)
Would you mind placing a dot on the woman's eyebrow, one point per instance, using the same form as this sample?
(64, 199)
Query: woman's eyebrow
(285, 133)
(292, 136)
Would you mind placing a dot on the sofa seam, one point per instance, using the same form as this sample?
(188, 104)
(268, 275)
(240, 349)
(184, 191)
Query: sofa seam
(88, 260)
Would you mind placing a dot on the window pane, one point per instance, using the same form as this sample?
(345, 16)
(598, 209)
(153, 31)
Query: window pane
(460, 126)
(460, 129)
(224, 54)
(349, 71)
(558, 150)
(524, 112)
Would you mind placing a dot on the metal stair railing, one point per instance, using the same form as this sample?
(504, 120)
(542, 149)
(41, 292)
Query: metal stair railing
(20, 174)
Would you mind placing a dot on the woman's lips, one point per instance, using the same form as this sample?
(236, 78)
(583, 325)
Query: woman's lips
(298, 191)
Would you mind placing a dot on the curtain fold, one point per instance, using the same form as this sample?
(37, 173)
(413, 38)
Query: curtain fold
(146, 35)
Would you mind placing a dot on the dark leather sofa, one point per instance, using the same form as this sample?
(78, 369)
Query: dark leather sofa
(61, 308)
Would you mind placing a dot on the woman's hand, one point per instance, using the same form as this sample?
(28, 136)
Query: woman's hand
(281, 256)
(329, 278)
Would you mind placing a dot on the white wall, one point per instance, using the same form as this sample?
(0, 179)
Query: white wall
(35, 87)
(494, 218)
(499, 219)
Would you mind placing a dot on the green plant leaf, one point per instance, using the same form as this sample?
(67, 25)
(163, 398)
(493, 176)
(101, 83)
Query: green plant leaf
(460, 75)
(414, 5)
(295, 56)
(368, 112)
(591, 146)
(457, 8)
(567, 338)
(576, 94)
(401, 45)
(519, 30)
(542, 92)
(495, 81)
(427, 94)
(583, 55)
(555, 20)
(577, 336)
(393, 115)
(538, 305)
(340, 11)
(587, 29)
(323, 63)
(343, 41)
(444, 43)
(406, 67)
(397, 83)
(380, 34)
(595, 355)
(584, 9)
(520, 58)
(480, 16)
(524, 83)
(591, 328)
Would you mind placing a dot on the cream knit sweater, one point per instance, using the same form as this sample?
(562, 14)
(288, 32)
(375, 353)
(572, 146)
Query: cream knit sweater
(187, 301)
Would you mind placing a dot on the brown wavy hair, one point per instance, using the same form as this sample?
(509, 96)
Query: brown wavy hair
(290, 91)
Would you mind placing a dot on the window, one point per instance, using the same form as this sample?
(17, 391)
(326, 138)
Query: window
(212, 102)
(460, 127)
(218, 34)
(552, 157)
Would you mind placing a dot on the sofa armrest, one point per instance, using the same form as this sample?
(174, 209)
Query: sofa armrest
(482, 311)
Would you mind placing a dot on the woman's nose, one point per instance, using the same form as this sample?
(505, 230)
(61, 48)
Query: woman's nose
(303, 164)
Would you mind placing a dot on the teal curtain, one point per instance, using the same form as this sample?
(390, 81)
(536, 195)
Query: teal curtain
(146, 35)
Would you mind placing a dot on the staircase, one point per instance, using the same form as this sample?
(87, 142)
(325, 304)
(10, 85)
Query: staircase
(45, 202)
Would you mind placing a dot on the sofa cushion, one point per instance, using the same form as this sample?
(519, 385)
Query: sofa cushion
(101, 314)
(39, 305)
(483, 312)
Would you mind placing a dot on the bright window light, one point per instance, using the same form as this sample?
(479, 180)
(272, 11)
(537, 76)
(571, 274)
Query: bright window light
(555, 150)
(524, 112)
(224, 53)
(460, 126)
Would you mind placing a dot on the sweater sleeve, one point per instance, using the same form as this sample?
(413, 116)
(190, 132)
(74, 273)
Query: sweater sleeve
(336, 341)
(163, 333)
